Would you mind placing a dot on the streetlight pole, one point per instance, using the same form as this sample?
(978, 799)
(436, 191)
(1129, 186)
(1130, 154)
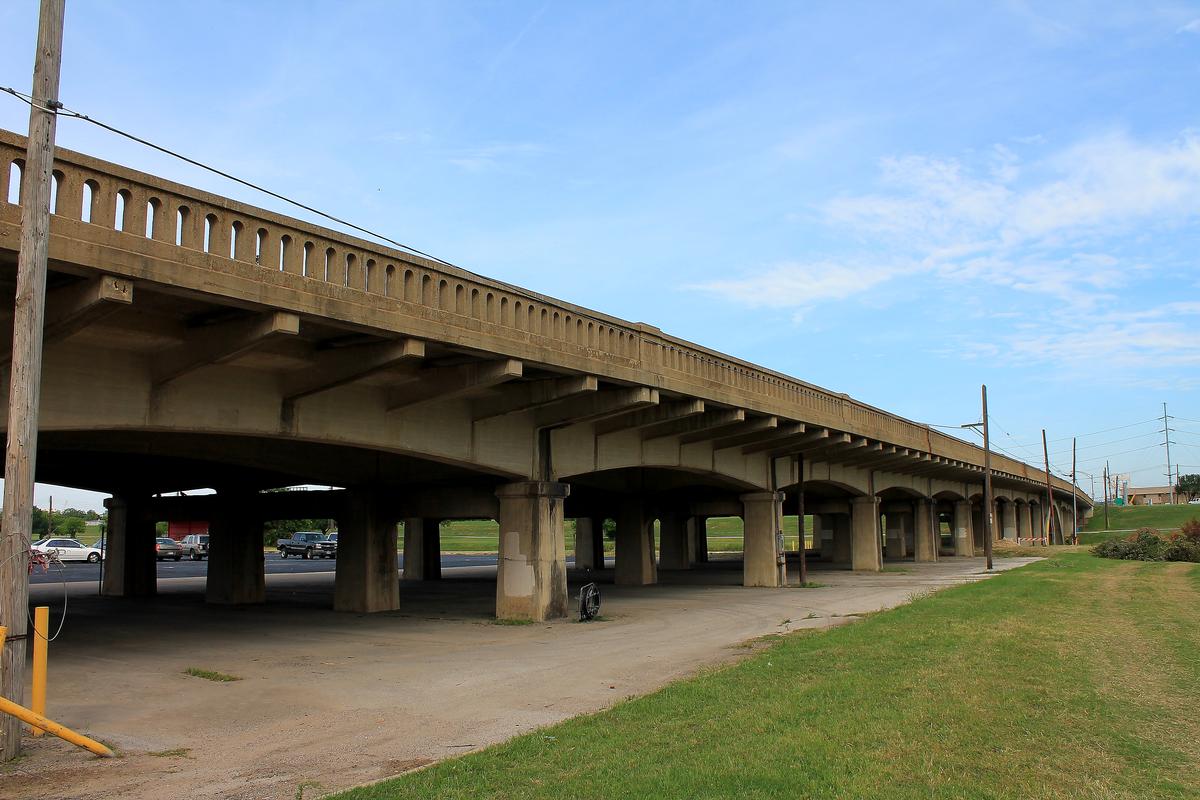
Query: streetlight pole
(987, 480)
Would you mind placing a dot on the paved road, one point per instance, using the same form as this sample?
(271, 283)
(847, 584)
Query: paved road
(74, 572)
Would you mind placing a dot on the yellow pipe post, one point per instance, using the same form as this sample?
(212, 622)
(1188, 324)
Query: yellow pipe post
(49, 726)
(38, 722)
(41, 633)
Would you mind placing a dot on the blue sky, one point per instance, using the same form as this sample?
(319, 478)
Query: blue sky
(900, 203)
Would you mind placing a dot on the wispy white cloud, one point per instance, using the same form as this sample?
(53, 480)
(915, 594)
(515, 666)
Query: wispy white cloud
(797, 285)
(1059, 228)
(488, 156)
(1191, 27)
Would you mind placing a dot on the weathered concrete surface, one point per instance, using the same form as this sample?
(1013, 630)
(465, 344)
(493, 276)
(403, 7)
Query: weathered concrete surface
(383, 692)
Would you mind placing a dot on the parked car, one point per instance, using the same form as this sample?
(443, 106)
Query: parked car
(307, 544)
(68, 550)
(165, 547)
(195, 546)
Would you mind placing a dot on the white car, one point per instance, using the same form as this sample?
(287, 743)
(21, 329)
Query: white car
(68, 550)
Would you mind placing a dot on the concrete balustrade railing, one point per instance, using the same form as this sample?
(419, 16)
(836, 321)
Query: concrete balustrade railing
(144, 208)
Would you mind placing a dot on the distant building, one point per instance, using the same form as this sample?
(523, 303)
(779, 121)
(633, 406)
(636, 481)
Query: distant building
(1149, 496)
(178, 530)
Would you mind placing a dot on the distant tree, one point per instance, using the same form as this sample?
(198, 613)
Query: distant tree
(1188, 485)
(68, 527)
(278, 529)
(41, 523)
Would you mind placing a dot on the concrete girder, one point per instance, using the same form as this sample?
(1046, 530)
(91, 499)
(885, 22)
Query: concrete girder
(767, 432)
(534, 394)
(724, 432)
(595, 406)
(888, 461)
(72, 308)
(701, 422)
(935, 464)
(220, 343)
(794, 443)
(832, 450)
(917, 461)
(665, 414)
(336, 367)
(864, 455)
(718, 431)
(444, 383)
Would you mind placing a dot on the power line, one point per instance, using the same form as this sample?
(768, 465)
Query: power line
(1106, 430)
(1123, 452)
(1114, 441)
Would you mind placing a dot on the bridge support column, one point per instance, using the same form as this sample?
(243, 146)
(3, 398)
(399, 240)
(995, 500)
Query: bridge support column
(896, 532)
(700, 530)
(635, 546)
(367, 579)
(963, 544)
(864, 524)
(692, 537)
(531, 574)
(236, 568)
(674, 550)
(761, 514)
(1009, 521)
(1025, 521)
(589, 543)
(422, 549)
(843, 537)
(925, 539)
(130, 569)
(822, 536)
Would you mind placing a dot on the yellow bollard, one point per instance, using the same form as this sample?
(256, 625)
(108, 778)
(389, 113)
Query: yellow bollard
(41, 643)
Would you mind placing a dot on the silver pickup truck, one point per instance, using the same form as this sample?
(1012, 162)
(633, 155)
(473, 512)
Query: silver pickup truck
(307, 544)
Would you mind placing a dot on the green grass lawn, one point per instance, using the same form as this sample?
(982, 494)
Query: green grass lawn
(1165, 517)
(1126, 518)
(724, 535)
(1075, 677)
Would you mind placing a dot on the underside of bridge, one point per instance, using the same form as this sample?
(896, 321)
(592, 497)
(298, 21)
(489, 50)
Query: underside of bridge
(195, 342)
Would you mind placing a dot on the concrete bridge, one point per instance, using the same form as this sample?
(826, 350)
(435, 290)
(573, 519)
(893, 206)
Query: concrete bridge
(194, 341)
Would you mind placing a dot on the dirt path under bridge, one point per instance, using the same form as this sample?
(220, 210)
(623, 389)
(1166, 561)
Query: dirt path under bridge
(330, 700)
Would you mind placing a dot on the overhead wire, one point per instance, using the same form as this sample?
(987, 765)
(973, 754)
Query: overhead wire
(64, 111)
(1106, 430)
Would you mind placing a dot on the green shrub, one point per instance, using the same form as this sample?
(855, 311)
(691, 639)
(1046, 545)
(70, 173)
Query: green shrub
(1148, 544)
(1182, 549)
(1190, 530)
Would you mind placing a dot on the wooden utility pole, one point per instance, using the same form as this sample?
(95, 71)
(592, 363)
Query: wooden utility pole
(25, 383)
(1074, 499)
(1049, 489)
(1105, 495)
(988, 526)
